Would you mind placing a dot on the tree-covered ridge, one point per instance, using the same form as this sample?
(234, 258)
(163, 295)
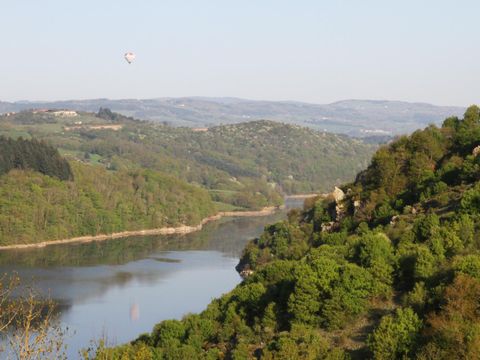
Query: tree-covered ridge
(33, 155)
(245, 165)
(297, 159)
(35, 207)
(390, 270)
(417, 167)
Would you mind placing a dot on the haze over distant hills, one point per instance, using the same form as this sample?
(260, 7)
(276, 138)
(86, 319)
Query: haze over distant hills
(353, 117)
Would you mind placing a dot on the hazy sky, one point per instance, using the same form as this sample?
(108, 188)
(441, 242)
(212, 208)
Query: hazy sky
(316, 51)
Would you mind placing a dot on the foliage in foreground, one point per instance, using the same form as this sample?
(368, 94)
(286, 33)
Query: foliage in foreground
(29, 325)
(390, 272)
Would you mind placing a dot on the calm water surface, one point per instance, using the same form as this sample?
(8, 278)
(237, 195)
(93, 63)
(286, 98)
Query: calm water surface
(121, 288)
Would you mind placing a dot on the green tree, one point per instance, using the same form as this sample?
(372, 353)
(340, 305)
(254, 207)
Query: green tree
(168, 333)
(348, 298)
(396, 335)
(304, 303)
(468, 265)
(470, 203)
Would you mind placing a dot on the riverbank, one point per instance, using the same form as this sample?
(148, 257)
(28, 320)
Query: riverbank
(302, 196)
(179, 230)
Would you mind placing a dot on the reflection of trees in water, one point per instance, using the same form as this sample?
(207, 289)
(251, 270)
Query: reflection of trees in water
(228, 236)
(54, 267)
(67, 285)
(73, 274)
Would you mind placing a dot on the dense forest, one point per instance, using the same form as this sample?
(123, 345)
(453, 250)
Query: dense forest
(33, 155)
(36, 207)
(388, 267)
(242, 166)
(296, 159)
(113, 173)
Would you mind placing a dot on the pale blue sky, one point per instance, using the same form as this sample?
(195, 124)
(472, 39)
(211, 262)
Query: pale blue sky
(315, 51)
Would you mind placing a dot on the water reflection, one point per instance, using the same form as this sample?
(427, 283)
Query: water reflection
(124, 286)
(227, 236)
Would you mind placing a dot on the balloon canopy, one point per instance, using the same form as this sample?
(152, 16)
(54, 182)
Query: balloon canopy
(129, 56)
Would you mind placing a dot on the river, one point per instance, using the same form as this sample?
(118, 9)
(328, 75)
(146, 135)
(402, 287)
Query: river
(121, 288)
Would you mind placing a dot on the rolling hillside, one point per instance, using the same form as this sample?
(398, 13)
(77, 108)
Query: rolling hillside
(387, 269)
(130, 174)
(244, 164)
(361, 118)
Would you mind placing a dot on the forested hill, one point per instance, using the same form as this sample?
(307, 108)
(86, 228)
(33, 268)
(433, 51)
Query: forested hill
(388, 268)
(130, 174)
(36, 207)
(295, 158)
(43, 196)
(242, 166)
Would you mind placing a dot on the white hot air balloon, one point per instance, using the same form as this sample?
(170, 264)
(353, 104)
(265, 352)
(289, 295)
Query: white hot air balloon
(129, 56)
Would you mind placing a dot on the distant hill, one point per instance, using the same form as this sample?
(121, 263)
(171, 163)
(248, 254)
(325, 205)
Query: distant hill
(362, 118)
(296, 158)
(244, 165)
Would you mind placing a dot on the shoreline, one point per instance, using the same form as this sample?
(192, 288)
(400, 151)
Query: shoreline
(302, 196)
(178, 230)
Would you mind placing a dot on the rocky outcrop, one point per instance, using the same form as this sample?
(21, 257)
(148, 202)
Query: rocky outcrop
(356, 206)
(246, 273)
(328, 226)
(339, 196)
(476, 151)
(338, 212)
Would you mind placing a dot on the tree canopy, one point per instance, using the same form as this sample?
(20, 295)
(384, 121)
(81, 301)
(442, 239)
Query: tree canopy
(392, 271)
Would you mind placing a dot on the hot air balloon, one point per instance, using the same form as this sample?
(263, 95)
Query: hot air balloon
(129, 56)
